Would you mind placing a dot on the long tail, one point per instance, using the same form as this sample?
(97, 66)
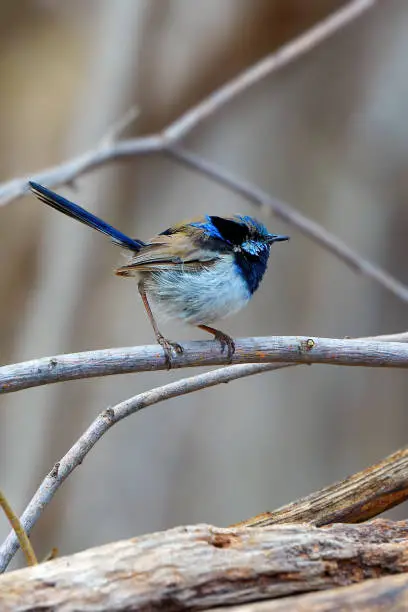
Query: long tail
(76, 212)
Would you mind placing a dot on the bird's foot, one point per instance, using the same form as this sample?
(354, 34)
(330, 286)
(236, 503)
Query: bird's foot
(168, 348)
(226, 342)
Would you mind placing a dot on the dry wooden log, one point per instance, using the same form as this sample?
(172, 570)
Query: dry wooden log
(352, 500)
(201, 566)
(388, 594)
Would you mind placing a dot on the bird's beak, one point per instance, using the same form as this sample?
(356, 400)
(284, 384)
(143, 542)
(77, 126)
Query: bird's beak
(277, 238)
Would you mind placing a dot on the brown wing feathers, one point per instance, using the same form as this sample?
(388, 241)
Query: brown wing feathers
(168, 252)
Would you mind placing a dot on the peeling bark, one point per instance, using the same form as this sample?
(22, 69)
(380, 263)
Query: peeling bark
(198, 567)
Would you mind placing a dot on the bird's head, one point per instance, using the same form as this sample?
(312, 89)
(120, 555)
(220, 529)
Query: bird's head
(240, 233)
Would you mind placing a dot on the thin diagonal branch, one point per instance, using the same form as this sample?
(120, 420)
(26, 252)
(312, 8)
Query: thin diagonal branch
(109, 150)
(287, 213)
(74, 457)
(73, 168)
(271, 63)
(67, 171)
(21, 535)
(111, 416)
(357, 499)
(353, 500)
(115, 131)
(273, 349)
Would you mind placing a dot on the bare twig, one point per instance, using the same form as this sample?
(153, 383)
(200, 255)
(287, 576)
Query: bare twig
(165, 142)
(199, 567)
(117, 129)
(21, 535)
(253, 194)
(67, 171)
(273, 349)
(271, 63)
(70, 170)
(353, 500)
(291, 216)
(74, 457)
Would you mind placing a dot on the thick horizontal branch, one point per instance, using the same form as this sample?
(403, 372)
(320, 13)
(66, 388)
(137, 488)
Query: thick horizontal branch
(358, 498)
(269, 349)
(353, 500)
(388, 594)
(193, 568)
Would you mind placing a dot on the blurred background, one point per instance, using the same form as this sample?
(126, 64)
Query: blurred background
(328, 134)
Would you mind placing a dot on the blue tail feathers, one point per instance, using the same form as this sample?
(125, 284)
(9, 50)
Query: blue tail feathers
(76, 212)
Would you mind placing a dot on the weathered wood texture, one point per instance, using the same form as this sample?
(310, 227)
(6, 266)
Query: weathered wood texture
(201, 566)
(388, 594)
(269, 349)
(352, 500)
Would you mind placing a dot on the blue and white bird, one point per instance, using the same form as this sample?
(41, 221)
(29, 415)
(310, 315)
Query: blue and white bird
(198, 271)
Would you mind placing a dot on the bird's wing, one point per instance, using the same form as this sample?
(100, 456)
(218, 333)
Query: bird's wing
(175, 251)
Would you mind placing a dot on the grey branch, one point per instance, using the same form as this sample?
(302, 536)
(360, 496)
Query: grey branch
(165, 142)
(199, 567)
(75, 456)
(378, 595)
(269, 349)
(287, 213)
(380, 355)
(271, 63)
(70, 170)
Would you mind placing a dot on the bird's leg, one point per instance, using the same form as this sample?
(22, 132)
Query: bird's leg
(166, 344)
(223, 339)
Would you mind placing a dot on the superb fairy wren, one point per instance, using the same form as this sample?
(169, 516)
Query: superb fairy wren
(198, 271)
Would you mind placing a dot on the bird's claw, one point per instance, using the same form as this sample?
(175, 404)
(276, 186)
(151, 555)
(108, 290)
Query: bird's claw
(168, 348)
(225, 342)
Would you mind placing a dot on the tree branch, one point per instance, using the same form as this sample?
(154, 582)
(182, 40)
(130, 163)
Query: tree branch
(67, 171)
(21, 535)
(199, 567)
(287, 213)
(166, 141)
(271, 63)
(380, 595)
(273, 349)
(77, 453)
(353, 500)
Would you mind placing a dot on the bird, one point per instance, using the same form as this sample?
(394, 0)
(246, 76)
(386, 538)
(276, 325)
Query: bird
(198, 271)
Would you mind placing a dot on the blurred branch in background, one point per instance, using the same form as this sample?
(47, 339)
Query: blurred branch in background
(284, 211)
(108, 150)
(165, 142)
